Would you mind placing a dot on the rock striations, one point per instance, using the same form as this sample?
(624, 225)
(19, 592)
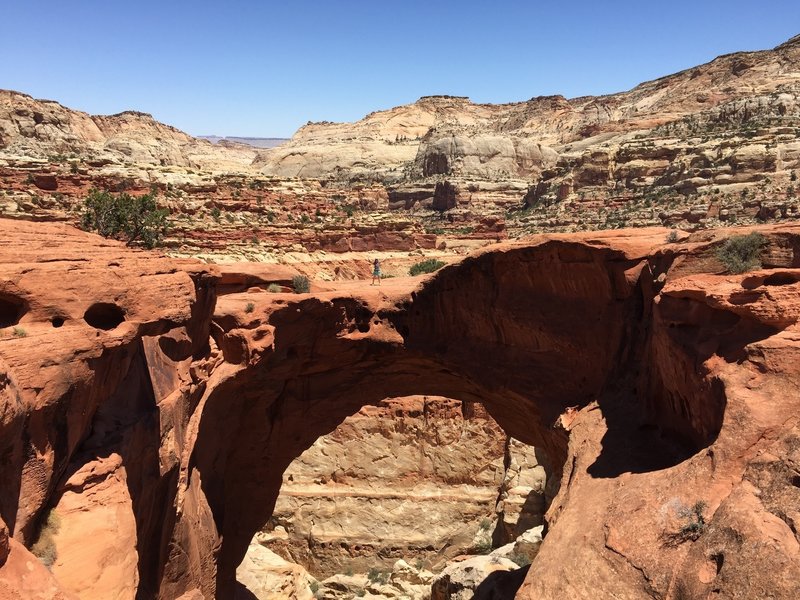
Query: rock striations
(712, 146)
(147, 418)
(40, 128)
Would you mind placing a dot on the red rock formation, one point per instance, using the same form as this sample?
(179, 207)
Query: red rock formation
(675, 395)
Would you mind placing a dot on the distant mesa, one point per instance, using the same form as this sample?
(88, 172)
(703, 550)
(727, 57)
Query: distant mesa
(443, 97)
(255, 142)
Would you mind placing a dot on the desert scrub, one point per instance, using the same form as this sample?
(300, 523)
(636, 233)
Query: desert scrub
(483, 546)
(672, 237)
(45, 547)
(741, 253)
(274, 288)
(300, 284)
(249, 307)
(692, 527)
(378, 576)
(426, 266)
(135, 219)
(19, 332)
(520, 560)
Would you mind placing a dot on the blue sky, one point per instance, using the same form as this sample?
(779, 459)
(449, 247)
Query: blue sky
(265, 68)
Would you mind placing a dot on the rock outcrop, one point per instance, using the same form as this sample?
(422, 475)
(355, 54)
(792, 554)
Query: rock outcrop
(708, 146)
(415, 478)
(476, 578)
(662, 389)
(712, 146)
(41, 128)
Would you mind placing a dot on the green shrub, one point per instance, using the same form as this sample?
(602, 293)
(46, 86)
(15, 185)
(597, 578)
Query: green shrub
(672, 237)
(45, 546)
(484, 546)
(741, 253)
(695, 523)
(520, 559)
(19, 332)
(376, 575)
(693, 526)
(249, 307)
(274, 288)
(426, 266)
(136, 219)
(300, 284)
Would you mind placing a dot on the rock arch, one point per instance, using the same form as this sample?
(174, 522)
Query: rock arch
(648, 381)
(528, 331)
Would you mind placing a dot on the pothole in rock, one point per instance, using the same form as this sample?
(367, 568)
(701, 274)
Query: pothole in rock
(104, 315)
(12, 309)
(387, 499)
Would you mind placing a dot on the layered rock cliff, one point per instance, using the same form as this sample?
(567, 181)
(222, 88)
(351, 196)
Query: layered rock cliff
(663, 390)
(411, 478)
(712, 146)
(31, 128)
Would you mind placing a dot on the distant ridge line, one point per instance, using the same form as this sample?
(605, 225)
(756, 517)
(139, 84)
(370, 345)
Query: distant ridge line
(256, 142)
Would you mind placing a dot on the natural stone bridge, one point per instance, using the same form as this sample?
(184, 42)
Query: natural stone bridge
(157, 418)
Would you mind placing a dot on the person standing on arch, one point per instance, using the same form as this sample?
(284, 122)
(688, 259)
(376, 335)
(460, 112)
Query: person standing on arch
(376, 272)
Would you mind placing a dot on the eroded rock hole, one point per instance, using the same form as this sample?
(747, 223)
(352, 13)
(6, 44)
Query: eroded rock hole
(104, 315)
(57, 321)
(780, 279)
(396, 492)
(12, 309)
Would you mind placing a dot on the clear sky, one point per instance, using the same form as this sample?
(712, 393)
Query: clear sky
(264, 68)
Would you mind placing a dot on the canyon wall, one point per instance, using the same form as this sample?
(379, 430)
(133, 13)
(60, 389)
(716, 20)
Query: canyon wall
(417, 478)
(653, 381)
(711, 146)
(32, 129)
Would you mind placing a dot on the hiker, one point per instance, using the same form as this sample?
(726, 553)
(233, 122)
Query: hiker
(376, 272)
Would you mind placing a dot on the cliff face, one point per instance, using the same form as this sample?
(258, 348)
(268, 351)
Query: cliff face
(712, 146)
(414, 478)
(654, 385)
(709, 145)
(41, 128)
(444, 135)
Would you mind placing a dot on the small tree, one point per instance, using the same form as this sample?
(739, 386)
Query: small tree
(426, 266)
(135, 219)
(741, 253)
(300, 284)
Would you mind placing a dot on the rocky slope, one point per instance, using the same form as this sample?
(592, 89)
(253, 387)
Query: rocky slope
(711, 146)
(412, 481)
(663, 390)
(415, 478)
(33, 128)
(715, 143)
